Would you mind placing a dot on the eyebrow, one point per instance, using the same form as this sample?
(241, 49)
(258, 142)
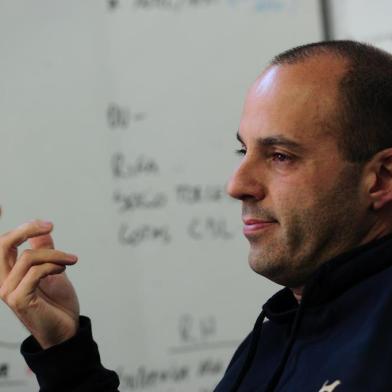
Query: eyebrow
(276, 140)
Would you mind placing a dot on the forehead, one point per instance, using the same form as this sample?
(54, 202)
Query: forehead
(296, 100)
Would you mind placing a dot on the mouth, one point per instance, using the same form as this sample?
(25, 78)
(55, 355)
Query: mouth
(253, 227)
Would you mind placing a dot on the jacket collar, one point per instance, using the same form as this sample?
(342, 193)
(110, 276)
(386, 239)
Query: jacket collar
(333, 278)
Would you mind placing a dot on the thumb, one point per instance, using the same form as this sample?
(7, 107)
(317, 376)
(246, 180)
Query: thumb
(44, 241)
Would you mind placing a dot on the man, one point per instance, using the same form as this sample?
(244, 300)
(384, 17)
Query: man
(315, 182)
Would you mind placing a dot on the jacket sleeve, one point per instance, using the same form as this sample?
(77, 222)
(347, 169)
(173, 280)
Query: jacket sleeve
(72, 366)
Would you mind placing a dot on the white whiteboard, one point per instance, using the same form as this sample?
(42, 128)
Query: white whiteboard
(362, 20)
(118, 122)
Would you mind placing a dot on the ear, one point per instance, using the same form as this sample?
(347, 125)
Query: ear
(380, 173)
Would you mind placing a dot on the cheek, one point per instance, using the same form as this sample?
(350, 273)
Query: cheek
(293, 195)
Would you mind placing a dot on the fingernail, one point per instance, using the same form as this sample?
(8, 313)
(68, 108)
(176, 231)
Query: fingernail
(72, 257)
(45, 224)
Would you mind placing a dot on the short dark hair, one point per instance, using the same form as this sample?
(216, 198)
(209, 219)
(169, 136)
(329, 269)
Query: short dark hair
(364, 120)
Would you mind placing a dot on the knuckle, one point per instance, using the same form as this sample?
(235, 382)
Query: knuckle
(25, 225)
(3, 242)
(34, 271)
(33, 225)
(3, 293)
(38, 272)
(27, 256)
(15, 303)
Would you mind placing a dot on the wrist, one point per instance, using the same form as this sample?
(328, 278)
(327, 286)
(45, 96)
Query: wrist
(57, 335)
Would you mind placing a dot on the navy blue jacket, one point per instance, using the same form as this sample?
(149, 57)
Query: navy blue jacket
(339, 339)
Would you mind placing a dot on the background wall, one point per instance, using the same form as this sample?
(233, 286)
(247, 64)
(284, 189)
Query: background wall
(361, 20)
(118, 122)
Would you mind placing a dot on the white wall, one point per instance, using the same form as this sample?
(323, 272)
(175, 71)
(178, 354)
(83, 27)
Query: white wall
(82, 83)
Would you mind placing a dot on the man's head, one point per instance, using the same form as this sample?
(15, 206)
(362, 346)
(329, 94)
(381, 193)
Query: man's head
(316, 135)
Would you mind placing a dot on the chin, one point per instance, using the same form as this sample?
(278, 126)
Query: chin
(267, 268)
(277, 270)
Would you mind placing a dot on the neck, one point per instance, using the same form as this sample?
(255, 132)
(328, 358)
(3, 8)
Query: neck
(297, 291)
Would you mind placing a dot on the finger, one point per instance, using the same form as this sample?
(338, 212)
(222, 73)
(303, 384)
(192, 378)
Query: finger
(20, 298)
(25, 231)
(16, 237)
(30, 259)
(11, 240)
(42, 242)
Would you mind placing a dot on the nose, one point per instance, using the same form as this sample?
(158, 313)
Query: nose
(246, 182)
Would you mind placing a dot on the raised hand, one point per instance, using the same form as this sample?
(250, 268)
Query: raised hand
(34, 285)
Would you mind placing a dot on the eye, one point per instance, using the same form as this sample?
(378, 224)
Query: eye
(280, 157)
(241, 151)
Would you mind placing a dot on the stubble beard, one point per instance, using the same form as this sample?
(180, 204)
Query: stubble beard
(291, 251)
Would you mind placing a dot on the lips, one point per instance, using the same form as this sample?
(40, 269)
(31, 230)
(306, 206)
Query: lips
(254, 226)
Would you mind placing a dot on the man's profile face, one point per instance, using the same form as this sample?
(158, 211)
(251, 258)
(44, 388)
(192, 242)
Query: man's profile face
(301, 199)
